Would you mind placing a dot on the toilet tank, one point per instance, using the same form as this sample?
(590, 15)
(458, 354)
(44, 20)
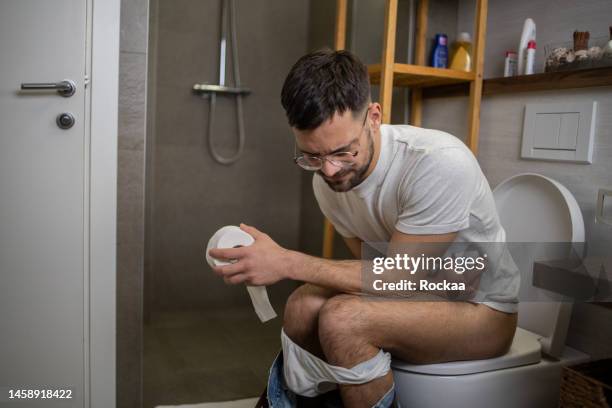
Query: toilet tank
(535, 208)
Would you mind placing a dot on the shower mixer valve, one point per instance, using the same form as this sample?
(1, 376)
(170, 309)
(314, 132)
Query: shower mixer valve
(209, 91)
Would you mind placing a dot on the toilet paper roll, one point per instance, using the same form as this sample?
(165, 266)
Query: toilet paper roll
(231, 237)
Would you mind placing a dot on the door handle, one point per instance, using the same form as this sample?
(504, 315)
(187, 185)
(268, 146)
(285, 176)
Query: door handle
(65, 88)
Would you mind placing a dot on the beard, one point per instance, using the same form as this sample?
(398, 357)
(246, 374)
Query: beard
(346, 179)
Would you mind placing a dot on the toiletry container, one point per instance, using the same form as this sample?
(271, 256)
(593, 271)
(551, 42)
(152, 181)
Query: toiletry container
(462, 53)
(439, 55)
(530, 57)
(529, 34)
(510, 68)
(608, 48)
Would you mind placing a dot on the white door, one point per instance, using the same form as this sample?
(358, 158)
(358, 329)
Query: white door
(43, 203)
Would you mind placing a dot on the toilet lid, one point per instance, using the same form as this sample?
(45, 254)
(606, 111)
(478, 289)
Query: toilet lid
(535, 208)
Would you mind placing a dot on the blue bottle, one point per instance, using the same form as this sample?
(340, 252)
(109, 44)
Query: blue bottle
(439, 55)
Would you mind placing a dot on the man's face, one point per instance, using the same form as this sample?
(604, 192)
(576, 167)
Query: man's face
(342, 133)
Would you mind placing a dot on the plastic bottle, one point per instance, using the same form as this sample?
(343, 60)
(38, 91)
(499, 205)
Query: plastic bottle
(529, 34)
(462, 58)
(608, 47)
(439, 56)
(530, 57)
(510, 68)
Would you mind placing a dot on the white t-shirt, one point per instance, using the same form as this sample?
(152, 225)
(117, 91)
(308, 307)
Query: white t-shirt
(425, 182)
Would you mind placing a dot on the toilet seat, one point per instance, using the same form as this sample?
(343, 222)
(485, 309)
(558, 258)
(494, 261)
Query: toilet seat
(525, 349)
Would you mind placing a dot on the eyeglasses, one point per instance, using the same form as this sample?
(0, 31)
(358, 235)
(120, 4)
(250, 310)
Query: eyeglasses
(343, 160)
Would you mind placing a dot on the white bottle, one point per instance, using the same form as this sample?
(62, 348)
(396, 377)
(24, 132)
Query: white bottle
(529, 34)
(510, 64)
(530, 57)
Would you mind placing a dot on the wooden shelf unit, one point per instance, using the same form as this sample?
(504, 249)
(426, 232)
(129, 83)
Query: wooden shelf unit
(417, 76)
(414, 76)
(548, 81)
(339, 44)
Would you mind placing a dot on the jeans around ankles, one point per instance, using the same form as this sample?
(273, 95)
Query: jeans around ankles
(279, 396)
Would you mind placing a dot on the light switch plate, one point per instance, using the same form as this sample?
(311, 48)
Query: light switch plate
(559, 131)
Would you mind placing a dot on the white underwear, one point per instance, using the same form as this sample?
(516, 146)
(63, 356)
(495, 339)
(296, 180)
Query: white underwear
(306, 374)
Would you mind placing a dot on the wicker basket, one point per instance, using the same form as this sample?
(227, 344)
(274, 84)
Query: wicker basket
(587, 385)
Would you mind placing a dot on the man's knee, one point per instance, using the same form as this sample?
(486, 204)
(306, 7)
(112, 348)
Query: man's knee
(340, 319)
(302, 311)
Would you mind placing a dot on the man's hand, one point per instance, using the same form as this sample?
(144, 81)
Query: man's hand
(262, 263)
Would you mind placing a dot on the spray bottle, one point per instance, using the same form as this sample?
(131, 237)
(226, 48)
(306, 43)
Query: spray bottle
(529, 34)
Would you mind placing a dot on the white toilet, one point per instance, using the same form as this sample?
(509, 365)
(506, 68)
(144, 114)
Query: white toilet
(532, 208)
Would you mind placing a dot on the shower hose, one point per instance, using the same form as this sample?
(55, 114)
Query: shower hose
(236, 71)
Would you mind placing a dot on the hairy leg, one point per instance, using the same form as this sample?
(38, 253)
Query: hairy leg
(352, 329)
(301, 317)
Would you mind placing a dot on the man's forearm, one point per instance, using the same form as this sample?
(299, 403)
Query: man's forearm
(346, 276)
(343, 276)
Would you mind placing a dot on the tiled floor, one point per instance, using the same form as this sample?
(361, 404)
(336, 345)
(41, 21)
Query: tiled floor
(207, 355)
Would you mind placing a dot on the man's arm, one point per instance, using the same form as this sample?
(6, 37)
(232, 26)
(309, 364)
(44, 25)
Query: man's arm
(346, 276)
(265, 262)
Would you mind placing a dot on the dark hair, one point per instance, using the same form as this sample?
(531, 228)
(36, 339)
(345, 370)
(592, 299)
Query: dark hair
(322, 83)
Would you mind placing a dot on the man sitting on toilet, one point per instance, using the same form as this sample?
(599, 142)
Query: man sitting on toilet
(376, 183)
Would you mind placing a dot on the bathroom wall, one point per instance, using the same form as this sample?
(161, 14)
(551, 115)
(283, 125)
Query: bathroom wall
(502, 121)
(189, 195)
(130, 199)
